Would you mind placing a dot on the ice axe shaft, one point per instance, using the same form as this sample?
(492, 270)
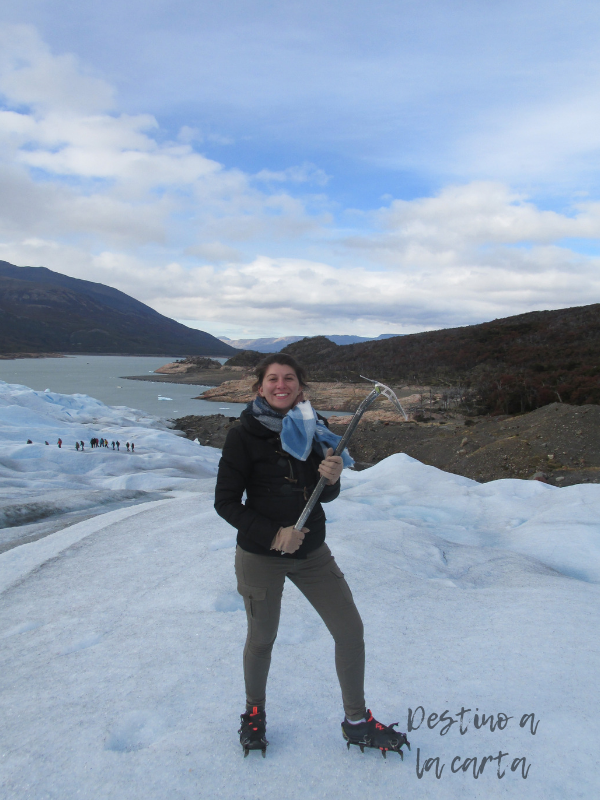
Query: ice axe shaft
(379, 389)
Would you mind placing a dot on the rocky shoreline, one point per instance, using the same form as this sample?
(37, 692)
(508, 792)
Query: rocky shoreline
(558, 444)
(12, 356)
(324, 396)
(234, 385)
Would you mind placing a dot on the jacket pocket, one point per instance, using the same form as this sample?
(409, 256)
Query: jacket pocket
(255, 600)
(345, 589)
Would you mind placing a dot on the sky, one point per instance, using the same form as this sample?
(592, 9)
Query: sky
(287, 168)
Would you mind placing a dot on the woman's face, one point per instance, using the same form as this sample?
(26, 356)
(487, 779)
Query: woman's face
(280, 387)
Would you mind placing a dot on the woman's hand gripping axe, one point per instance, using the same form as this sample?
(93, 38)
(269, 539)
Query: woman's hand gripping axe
(379, 390)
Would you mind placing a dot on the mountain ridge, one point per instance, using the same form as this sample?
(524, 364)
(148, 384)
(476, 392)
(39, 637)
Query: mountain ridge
(46, 311)
(274, 344)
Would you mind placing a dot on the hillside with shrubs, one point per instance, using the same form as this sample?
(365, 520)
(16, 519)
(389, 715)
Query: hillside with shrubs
(506, 366)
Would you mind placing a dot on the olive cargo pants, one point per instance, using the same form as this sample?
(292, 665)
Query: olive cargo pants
(260, 582)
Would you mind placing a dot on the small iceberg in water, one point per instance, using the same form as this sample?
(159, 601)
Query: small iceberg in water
(160, 397)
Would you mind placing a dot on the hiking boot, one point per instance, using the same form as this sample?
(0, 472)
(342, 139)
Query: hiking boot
(253, 731)
(373, 734)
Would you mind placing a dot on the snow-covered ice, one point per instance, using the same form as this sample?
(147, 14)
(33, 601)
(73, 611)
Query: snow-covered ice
(41, 484)
(121, 635)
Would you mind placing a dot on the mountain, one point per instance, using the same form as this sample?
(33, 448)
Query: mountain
(275, 344)
(508, 365)
(45, 311)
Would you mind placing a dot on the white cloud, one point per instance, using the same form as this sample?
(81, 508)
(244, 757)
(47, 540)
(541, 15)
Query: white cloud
(47, 210)
(482, 212)
(468, 225)
(105, 175)
(217, 252)
(31, 75)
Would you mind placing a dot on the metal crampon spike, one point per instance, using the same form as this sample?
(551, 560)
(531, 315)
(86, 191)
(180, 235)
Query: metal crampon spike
(246, 751)
(264, 752)
(384, 752)
(401, 754)
(348, 743)
(362, 748)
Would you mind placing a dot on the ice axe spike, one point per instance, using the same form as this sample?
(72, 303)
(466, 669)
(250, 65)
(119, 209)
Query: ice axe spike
(378, 390)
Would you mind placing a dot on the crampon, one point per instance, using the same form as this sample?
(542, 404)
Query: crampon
(253, 731)
(373, 734)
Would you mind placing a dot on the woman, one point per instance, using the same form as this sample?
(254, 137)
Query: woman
(276, 456)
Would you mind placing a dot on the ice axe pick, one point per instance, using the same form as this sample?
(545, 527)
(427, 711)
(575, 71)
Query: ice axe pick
(378, 390)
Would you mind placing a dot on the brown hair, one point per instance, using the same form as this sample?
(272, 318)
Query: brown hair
(278, 358)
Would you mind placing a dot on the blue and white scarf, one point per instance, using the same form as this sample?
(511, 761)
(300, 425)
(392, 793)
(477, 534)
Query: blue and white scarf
(300, 429)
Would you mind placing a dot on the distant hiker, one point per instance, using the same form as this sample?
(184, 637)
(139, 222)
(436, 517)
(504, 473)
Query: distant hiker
(118, 445)
(132, 446)
(59, 443)
(81, 443)
(46, 442)
(127, 446)
(113, 445)
(276, 457)
(77, 446)
(29, 441)
(92, 443)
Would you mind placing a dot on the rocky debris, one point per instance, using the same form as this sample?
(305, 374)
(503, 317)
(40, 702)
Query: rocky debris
(210, 431)
(557, 444)
(560, 441)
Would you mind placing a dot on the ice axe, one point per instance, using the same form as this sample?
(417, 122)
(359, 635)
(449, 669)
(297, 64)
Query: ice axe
(378, 390)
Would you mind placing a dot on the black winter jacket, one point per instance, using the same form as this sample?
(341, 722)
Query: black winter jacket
(277, 486)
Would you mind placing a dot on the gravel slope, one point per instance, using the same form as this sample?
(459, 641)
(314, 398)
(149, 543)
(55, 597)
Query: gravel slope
(560, 441)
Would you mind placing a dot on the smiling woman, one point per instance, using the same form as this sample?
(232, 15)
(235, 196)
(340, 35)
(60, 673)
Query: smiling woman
(276, 457)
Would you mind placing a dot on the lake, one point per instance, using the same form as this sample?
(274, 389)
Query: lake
(101, 377)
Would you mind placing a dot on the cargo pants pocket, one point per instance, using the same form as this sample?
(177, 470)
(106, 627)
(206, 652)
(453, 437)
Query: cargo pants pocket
(341, 580)
(255, 600)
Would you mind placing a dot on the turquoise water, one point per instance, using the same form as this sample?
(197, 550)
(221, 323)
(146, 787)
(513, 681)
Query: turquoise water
(102, 377)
